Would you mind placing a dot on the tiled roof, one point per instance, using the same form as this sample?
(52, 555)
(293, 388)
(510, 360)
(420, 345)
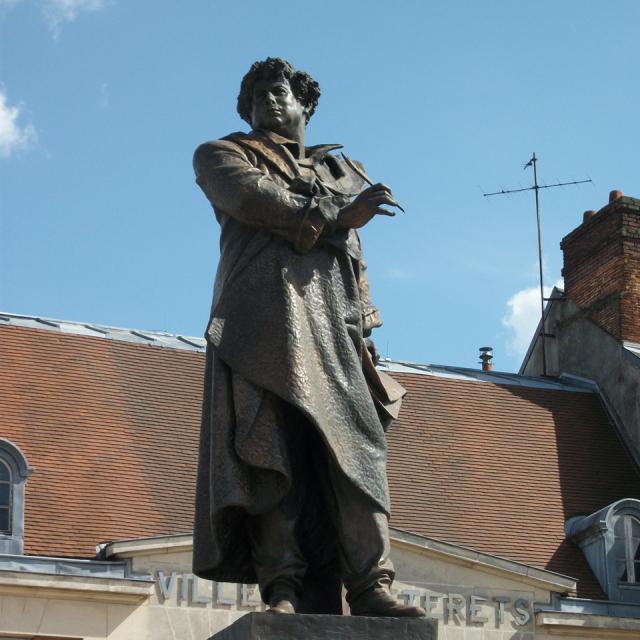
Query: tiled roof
(111, 429)
(494, 462)
(501, 467)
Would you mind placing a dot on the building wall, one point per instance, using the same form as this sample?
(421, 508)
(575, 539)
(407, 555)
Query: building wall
(469, 604)
(581, 348)
(72, 618)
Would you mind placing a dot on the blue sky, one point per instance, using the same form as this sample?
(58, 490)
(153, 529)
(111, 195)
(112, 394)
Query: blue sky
(102, 103)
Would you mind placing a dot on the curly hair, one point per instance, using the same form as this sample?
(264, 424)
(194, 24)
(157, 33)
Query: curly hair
(304, 87)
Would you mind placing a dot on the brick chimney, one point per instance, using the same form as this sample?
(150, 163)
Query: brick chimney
(602, 266)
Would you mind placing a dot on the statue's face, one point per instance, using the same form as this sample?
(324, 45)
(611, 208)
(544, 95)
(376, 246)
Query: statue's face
(275, 108)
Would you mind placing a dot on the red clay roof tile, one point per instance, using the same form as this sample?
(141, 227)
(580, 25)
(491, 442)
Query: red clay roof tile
(111, 429)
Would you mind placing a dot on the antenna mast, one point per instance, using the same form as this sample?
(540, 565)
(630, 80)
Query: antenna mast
(533, 162)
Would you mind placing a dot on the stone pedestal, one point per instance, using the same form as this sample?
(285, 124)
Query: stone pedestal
(270, 626)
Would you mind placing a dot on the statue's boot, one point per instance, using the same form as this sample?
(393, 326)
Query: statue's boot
(378, 602)
(282, 599)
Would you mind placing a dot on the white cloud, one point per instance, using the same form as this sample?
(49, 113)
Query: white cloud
(13, 135)
(57, 12)
(522, 317)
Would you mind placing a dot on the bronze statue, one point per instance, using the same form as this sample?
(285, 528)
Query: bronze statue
(292, 490)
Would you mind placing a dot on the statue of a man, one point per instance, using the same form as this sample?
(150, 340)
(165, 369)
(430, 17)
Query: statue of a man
(292, 490)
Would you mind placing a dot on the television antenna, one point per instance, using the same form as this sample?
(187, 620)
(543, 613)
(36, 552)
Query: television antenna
(535, 187)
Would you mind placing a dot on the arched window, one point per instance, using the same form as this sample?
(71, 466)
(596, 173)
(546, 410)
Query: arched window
(627, 544)
(14, 471)
(6, 490)
(610, 541)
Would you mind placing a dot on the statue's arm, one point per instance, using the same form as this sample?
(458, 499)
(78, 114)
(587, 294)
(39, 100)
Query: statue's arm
(236, 187)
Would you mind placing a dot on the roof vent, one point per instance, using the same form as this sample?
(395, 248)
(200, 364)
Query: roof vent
(486, 358)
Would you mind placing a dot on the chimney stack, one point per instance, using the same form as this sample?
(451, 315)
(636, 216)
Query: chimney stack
(602, 266)
(486, 358)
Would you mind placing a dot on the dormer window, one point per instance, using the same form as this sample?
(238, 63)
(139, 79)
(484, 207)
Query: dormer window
(6, 490)
(14, 471)
(610, 541)
(627, 544)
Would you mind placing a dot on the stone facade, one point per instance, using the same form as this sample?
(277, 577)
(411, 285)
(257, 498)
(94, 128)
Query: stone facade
(470, 596)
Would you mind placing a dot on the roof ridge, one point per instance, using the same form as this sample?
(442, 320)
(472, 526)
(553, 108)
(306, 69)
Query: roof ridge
(561, 383)
(189, 343)
(96, 330)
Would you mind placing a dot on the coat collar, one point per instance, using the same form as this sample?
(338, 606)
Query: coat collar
(315, 152)
(267, 149)
(274, 148)
(280, 151)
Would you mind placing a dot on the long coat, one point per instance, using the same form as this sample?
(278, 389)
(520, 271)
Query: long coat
(290, 312)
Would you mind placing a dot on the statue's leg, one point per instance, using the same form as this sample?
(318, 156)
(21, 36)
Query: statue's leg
(278, 559)
(363, 532)
(363, 536)
(279, 564)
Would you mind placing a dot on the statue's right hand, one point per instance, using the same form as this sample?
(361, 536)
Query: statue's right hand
(366, 205)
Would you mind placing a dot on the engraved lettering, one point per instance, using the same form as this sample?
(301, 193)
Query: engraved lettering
(521, 612)
(475, 610)
(166, 587)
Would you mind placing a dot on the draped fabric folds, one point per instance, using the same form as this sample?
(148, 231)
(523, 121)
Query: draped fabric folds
(288, 320)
